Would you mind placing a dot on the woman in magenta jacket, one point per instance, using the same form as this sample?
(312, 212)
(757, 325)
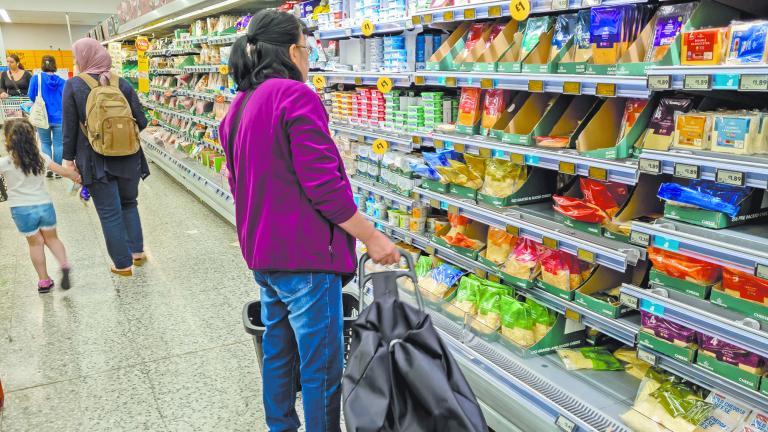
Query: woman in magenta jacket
(296, 219)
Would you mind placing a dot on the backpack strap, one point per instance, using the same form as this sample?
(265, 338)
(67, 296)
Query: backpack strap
(92, 83)
(114, 80)
(232, 132)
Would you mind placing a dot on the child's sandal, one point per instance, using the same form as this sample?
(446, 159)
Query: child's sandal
(44, 286)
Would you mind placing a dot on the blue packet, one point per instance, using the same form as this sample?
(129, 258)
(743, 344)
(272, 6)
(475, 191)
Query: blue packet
(748, 42)
(446, 274)
(606, 26)
(565, 28)
(707, 195)
(583, 25)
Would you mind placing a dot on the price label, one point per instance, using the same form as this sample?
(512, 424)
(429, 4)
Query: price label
(517, 158)
(459, 148)
(486, 83)
(572, 315)
(367, 28)
(319, 82)
(565, 424)
(572, 88)
(585, 255)
(535, 86)
(408, 240)
(430, 250)
(448, 16)
(416, 140)
(761, 271)
(427, 19)
(605, 89)
(470, 14)
(686, 171)
(358, 81)
(659, 82)
(348, 32)
(697, 82)
(419, 80)
(224, 70)
(520, 9)
(640, 238)
(598, 173)
(550, 242)
(494, 278)
(666, 243)
(652, 307)
(590, 3)
(438, 144)
(416, 20)
(733, 178)
(629, 300)
(485, 152)
(384, 84)
(647, 357)
(380, 146)
(434, 203)
(559, 4)
(482, 274)
(494, 11)
(753, 83)
(403, 208)
(513, 230)
(567, 168)
(650, 166)
(450, 81)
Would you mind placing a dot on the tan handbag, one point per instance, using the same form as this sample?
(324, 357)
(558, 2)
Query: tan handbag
(38, 114)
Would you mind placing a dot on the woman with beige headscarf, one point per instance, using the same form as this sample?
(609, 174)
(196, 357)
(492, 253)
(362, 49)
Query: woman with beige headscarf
(112, 181)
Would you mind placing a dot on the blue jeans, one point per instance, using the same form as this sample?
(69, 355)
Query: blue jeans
(50, 141)
(115, 199)
(302, 311)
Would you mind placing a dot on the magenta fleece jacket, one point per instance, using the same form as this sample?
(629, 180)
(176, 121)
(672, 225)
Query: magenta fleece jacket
(290, 188)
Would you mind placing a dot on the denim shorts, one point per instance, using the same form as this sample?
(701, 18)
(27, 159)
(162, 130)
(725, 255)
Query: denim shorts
(31, 219)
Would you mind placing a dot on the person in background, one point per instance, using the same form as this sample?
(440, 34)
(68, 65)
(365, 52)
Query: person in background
(296, 219)
(113, 182)
(15, 81)
(52, 92)
(31, 207)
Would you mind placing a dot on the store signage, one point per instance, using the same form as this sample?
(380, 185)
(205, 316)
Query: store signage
(494, 278)
(380, 146)
(319, 82)
(224, 70)
(458, 148)
(416, 140)
(450, 81)
(697, 82)
(452, 209)
(482, 274)
(448, 16)
(142, 46)
(438, 144)
(485, 152)
(427, 19)
(733, 178)
(520, 9)
(416, 20)
(486, 83)
(565, 424)
(659, 82)
(686, 171)
(358, 80)
(650, 166)
(367, 28)
(652, 307)
(419, 80)
(384, 84)
(753, 83)
(647, 357)
(517, 158)
(572, 315)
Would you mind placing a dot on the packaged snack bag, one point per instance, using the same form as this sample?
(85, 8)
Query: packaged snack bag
(499, 245)
(469, 106)
(632, 111)
(423, 267)
(474, 35)
(543, 319)
(731, 354)
(433, 161)
(467, 296)
(667, 330)
(692, 130)
(745, 286)
(534, 28)
(606, 34)
(503, 177)
(565, 29)
(737, 133)
(595, 358)
(516, 321)
(634, 366)
(579, 210)
(440, 280)
(747, 44)
(757, 422)
(609, 196)
(704, 46)
(706, 194)
(458, 224)
(582, 30)
(524, 259)
(727, 413)
(494, 104)
(662, 124)
(560, 270)
(669, 21)
(488, 311)
(683, 267)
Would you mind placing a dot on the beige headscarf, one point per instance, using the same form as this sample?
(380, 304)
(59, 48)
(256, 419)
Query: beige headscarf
(92, 58)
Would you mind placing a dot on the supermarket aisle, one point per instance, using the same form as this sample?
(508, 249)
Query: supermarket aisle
(164, 350)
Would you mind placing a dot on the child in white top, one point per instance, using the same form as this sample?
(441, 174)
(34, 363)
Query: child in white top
(31, 206)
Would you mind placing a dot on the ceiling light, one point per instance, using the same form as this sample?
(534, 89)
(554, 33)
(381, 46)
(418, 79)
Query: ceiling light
(4, 15)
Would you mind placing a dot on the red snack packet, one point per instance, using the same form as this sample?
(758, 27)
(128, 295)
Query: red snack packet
(609, 196)
(749, 287)
(579, 210)
(683, 267)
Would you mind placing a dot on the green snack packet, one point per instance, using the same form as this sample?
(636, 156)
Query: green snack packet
(684, 401)
(488, 309)
(509, 308)
(423, 266)
(595, 358)
(467, 296)
(498, 286)
(534, 28)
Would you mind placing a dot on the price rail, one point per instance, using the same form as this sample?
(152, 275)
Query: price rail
(723, 168)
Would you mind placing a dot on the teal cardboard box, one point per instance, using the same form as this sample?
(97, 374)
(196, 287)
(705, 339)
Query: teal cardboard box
(603, 280)
(434, 186)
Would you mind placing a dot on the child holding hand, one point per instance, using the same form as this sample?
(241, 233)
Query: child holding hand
(31, 207)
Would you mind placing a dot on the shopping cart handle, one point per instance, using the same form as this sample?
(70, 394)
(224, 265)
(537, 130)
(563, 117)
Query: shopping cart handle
(392, 276)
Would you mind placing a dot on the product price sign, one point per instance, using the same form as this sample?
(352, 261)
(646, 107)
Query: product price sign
(494, 11)
(559, 4)
(224, 70)
(520, 9)
(733, 178)
(605, 89)
(416, 20)
(459, 148)
(367, 28)
(647, 357)
(427, 19)
(517, 158)
(761, 271)
(697, 82)
(640, 238)
(567, 168)
(380, 146)
(452, 209)
(438, 144)
(598, 173)
(419, 80)
(416, 140)
(687, 171)
(549, 242)
(629, 300)
(753, 83)
(513, 230)
(358, 80)
(450, 81)
(651, 306)
(486, 83)
(485, 152)
(585, 255)
(650, 166)
(494, 278)
(319, 82)
(590, 3)
(572, 315)
(659, 82)
(430, 250)
(535, 86)
(448, 16)
(470, 14)
(482, 274)
(666, 243)
(564, 424)
(572, 87)
(384, 84)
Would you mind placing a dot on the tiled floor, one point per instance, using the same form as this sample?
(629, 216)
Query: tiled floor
(162, 351)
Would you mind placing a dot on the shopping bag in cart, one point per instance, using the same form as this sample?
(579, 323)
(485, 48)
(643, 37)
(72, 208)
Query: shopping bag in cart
(400, 377)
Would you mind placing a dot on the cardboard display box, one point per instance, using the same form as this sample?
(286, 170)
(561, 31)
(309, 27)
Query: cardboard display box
(569, 122)
(568, 294)
(678, 352)
(753, 209)
(538, 187)
(603, 279)
(443, 58)
(507, 279)
(521, 127)
(536, 64)
(463, 192)
(574, 60)
(764, 385)
(661, 280)
(511, 62)
(466, 59)
(489, 58)
(563, 334)
(728, 371)
(748, 308)
(434, 186)
(642, 205)
(475, 231)
(517, 103)
(600, 137)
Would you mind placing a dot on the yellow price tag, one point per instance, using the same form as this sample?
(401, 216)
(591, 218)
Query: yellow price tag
(459, 148)
(434, 203)
(319, 81)
(572, 315)
(598, 173)
(438, 144)
(485, 152)
(486, 83)
(430, 250)
(535, 86)
(427, 19)
(585, 255)
(469, 14)
(520, 9)
(419, 80)
(513, 230)
(482, 274)
(517, 158)
(494, 11)
(448, 16)
(384, 84)
(567, 168)
(572, 87)
(550, 242)
(494, 278)
(416, 20)
(358, 81)
(605, 89)
(367, 28)
(416, 140)
(450, 81)
(380, 146)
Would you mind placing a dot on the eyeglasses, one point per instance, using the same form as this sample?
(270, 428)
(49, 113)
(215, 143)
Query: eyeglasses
(308, 48)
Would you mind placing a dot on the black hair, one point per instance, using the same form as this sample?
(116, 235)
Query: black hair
(263, 52)
(17, 60)
(49, 64)
(21, 143)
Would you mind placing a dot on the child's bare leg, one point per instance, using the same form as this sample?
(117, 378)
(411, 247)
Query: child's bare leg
(37, 254)
(56, 246)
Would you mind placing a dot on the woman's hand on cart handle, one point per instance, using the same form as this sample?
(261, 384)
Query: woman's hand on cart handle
(381, 249)
(3, 95)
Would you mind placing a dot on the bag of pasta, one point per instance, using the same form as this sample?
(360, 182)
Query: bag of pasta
(422, 268)
(543, 318)
(488, 311)
(503, 178)
(517, 322)
(561, 270)
(439, 280)
(500, 244)
(523, 262)
(467, 297)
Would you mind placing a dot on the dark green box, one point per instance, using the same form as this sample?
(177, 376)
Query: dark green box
(463, 192)
(555, 339)
(591, 228)
(764, 385)
(713, 219)
(538, 187)
(747, 308)
(684, 354)
(662, 280)
(728, 371)
(434, 186)
(555, 291)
